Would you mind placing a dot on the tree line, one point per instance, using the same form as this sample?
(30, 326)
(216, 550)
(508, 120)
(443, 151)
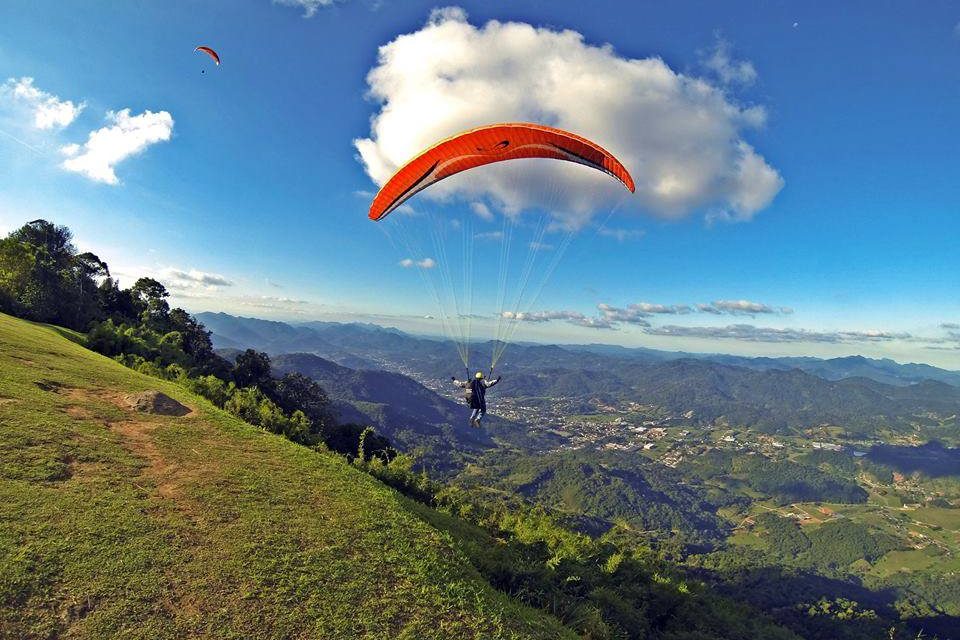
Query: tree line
(44, 278)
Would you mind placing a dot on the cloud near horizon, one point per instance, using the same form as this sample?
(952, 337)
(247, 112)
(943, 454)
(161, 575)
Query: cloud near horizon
(638, 314)
(751, 333)
(192, 280)
(680, 135)
(291, 305)
(124, 137)
(48, 110)
(741, 308)
(572, 317)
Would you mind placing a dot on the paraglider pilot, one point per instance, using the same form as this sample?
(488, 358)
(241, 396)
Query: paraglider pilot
(476, 395)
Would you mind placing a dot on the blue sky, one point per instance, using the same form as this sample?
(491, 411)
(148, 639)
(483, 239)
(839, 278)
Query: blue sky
(241, 186)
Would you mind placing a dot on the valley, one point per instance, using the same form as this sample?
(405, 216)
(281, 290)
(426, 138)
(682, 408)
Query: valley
(872, 464)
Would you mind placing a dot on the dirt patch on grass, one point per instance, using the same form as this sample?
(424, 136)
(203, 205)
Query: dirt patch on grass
(161, 480)
(80, 471)
(137, 436)
(80, 413)
(137, 431)
(87, 395)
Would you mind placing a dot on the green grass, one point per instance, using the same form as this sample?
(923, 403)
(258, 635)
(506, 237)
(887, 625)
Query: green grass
(907, 560)
(747, 539)
(120, 524)
(949, 519)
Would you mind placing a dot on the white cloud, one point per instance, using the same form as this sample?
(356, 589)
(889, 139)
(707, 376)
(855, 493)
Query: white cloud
(956, 30)
(750, 333)
(106, 147)
(873, 335)
(571, 317)
(635, 313)
(272, 303)
(481, 210)
(594, 323)
(542, 316)
(680, 135)
(729, 71)
(638, 314)
(621, 235)
(181, 280)
(310, 7)
(540, 246)
(489, 235)
(628, 315)
(48, 110)
(426, 263)
(741, 308)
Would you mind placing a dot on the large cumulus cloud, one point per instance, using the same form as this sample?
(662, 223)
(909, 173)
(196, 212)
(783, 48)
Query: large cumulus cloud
(680, 136)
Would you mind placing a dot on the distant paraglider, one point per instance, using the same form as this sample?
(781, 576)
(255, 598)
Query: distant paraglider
(210, 52)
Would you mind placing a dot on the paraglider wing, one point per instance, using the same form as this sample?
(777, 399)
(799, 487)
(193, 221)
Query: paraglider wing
(485, 145)
(210, 52)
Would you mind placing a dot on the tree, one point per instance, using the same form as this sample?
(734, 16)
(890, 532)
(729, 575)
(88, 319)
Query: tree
(42, 277)
(46, 294)
(197, 344)
(296, 391)
(351, 439)
(55, 240)
(16, 265)
(119, 305)
(91, 266)
(252, 369)
(151, 296)
(88, 267)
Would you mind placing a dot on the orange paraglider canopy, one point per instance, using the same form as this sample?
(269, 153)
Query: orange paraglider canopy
(485, 145)
(210, 52)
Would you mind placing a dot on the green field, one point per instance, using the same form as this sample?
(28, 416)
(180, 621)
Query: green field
(939, 528)
(896, 561)
(949, 519)
(117, 523)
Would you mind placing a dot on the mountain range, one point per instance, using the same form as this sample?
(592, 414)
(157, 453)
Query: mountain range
(360, 345)
(377, 376)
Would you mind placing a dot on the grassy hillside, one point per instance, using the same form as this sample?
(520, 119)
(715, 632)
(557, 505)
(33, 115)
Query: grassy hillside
(114, 522)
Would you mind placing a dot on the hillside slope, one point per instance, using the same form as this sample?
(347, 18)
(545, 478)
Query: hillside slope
(114, 522)
(399, 407)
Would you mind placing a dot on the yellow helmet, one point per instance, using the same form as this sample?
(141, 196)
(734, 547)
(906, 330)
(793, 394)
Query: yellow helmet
(479, 375)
